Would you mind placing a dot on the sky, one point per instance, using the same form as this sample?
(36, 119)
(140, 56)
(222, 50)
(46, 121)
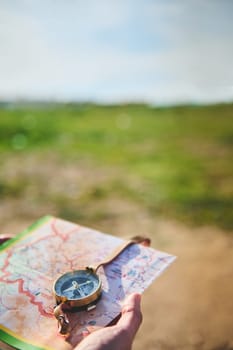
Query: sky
(110, 51)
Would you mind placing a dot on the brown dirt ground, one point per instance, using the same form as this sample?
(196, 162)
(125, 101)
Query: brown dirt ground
(191, 305)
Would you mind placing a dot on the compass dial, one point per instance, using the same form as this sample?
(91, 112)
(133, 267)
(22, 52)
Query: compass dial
(77, 285)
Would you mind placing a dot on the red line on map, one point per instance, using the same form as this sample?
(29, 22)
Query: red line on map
(7, 261)
(32, 299)
(6, 274)
(63, 236)
(54, 233)
(20, 282)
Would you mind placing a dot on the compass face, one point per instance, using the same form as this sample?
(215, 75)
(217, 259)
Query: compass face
(77, 285)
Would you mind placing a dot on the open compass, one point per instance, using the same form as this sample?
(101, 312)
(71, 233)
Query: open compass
(81, 289)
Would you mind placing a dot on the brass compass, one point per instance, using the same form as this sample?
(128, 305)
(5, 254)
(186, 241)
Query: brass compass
(81, 289)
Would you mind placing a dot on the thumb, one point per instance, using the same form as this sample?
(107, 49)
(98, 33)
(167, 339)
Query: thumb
(131, 315)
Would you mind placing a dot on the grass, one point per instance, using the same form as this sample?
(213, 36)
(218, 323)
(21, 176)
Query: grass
(176, 161)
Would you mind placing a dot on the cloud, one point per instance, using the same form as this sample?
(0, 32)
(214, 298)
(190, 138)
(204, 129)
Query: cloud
(117, 50)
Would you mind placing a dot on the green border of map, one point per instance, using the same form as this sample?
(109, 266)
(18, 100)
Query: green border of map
(28, 230)
(17, 343)
(7, 338)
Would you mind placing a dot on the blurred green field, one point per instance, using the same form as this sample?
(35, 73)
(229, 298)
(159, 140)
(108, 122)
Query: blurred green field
(176, 162)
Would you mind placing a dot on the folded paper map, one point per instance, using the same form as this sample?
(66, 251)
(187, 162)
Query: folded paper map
(31, 261)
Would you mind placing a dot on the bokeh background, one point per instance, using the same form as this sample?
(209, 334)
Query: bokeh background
(118, 115)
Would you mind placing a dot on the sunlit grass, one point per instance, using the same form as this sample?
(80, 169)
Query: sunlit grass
(176, 162)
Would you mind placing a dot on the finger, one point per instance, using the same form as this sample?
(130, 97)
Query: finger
(4, 238)
(131, 316)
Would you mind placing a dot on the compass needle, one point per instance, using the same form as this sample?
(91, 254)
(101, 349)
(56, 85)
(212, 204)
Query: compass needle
(83, 284)
(75, 285)
(68, 289)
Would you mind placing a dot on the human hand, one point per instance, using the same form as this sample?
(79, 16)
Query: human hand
(121, 335)
(4, 238)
